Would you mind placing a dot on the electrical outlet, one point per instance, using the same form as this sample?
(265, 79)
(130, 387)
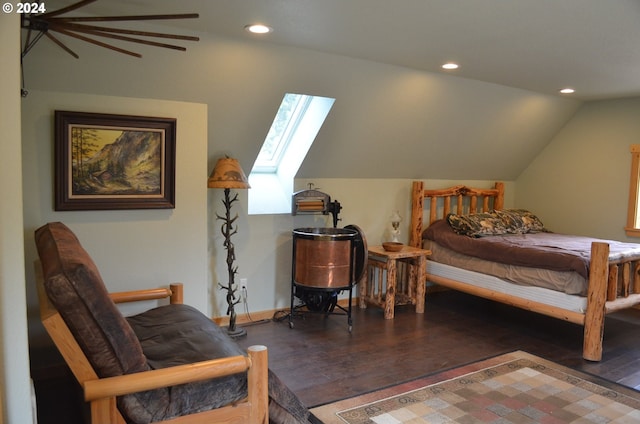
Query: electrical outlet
(243, 295)
(243, 283)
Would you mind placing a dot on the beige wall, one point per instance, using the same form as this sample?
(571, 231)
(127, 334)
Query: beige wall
(132, 248)
(580, 183)
(15, 389)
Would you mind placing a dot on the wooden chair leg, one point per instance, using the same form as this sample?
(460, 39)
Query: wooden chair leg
(105, 411)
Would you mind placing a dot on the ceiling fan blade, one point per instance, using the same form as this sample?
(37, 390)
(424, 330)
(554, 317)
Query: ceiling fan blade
(29, 45)
(52, 21)
(82, 27)
(61, 44)
(67, 9)
(27, 39)
(96, 42)
(98, 33)
(129, 18)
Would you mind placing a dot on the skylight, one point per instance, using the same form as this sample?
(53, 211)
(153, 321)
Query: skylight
(285, 124)
(290, 137)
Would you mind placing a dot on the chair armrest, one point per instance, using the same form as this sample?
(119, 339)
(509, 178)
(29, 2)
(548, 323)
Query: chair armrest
(179, 374)
(173, 292)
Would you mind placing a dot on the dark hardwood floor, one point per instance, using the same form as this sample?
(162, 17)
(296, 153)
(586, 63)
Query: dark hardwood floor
(322, 362)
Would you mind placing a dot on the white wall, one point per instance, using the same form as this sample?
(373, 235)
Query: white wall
(132, 248)
(580, 183)
(15, 389)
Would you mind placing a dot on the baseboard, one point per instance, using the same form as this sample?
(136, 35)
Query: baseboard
(269, 314)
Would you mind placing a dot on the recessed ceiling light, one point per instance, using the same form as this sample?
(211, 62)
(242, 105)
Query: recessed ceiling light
(567, 90)
(258, 29)
(450, 66)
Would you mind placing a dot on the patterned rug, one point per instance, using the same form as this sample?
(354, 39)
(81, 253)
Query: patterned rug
(513, 388)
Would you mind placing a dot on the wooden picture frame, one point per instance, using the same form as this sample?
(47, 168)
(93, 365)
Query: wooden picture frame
(105, 161)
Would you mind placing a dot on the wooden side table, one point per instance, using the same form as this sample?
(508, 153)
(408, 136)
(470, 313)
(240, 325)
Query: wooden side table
(404, 283)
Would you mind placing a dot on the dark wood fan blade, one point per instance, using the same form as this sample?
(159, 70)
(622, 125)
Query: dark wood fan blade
(81, 27)
(96, 42)
(128, 18)
(28, 46)
(57, 27)
(67, 9)
(61, 44)
(27, 40)
(52, 21)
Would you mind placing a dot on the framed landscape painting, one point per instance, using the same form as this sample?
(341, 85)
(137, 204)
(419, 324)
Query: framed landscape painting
(107, 161)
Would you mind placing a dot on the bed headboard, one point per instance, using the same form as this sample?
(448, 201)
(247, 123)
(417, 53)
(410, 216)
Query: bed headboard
(467, 200)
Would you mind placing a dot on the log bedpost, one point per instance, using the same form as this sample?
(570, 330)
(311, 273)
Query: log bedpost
(499, 199)
(596, 298)
(417, 204)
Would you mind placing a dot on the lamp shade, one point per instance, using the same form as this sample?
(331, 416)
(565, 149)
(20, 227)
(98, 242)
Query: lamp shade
(227, 174)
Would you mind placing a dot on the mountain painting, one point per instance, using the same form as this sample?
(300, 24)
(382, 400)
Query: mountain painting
(115, 162)
(109, 162)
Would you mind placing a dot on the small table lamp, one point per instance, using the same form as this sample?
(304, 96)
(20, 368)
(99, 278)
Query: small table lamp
(228, 174)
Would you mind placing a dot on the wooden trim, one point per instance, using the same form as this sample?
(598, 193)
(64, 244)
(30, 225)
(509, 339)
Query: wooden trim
(632, 207)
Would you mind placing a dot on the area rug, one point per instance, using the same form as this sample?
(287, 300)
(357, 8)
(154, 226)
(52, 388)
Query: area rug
(513, 388)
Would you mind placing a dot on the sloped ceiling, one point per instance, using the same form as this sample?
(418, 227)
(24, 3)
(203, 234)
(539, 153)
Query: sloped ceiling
(537, 45)
(397, 115)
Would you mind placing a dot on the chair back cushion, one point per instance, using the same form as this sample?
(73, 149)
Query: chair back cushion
(76, 289)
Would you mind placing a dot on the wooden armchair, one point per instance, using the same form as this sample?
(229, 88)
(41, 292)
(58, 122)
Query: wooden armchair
(103, 393)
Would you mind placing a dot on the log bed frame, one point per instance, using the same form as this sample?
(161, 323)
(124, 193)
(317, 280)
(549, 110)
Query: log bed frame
(612, 285)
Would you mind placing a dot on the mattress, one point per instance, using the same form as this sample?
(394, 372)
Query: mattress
(568, 282)
(554, 251)
(537, 294)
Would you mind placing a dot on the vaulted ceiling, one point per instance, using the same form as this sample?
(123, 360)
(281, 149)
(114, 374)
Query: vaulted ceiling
(538, 45)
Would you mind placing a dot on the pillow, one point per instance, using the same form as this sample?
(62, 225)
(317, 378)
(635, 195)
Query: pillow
(520, 221)
(477, 224)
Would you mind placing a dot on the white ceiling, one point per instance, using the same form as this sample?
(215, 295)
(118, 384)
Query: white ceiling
(538, 45)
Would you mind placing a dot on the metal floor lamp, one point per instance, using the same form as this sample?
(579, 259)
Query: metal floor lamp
(228, 174)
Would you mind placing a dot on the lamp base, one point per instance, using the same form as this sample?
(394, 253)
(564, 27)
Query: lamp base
(237, 333)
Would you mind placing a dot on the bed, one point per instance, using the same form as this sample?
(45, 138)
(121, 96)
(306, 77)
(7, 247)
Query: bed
(611, 276)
